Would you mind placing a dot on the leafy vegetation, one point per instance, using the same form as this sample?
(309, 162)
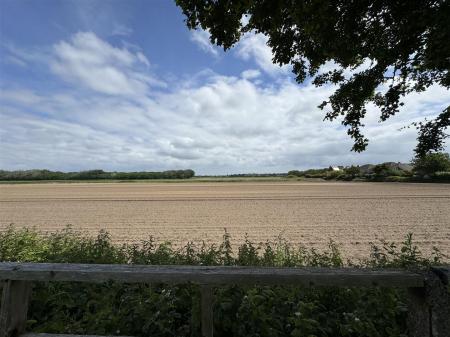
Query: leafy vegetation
(311, 173)
(374, 51)
(380, 172)
(431, 167)
(431, 163)
(163, 310)
(92, 175)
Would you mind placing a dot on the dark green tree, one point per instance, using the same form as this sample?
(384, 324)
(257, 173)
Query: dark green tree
(385, 170)
(352, 171)
(405, 42)
(432, 163)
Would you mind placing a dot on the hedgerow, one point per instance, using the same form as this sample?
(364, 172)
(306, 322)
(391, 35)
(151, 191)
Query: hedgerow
(161, 310)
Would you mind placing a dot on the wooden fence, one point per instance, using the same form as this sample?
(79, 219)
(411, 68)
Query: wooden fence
(429, 300)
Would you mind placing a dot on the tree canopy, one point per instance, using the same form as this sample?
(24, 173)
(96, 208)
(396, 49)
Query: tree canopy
(405, 43)
(432, 163)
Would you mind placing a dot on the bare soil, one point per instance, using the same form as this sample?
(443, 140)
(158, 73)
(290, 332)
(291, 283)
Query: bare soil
(309, 213)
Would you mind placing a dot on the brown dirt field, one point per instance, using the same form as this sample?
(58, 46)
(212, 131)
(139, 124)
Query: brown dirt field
(351, 214)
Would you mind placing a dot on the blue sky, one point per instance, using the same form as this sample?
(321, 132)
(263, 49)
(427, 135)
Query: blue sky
(124, 85)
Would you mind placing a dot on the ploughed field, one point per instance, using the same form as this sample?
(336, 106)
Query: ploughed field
(309, 213)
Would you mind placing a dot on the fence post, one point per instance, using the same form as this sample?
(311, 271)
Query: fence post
(438, 295)
(429, 307)
(207, 310)
(14, 307)
(418, 313)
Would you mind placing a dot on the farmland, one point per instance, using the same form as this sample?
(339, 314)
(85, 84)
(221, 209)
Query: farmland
(308, 213)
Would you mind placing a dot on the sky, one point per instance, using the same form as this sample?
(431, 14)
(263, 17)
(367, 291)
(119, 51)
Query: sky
(125, 86)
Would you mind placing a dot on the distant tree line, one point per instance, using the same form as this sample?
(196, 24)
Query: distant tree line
(311, 173)
(257, 175)
(93, 175)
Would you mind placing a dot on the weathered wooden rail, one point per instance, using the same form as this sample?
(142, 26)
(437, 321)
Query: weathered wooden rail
(429, 303)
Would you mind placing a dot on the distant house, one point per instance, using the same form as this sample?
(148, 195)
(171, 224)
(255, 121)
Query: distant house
(335, 168)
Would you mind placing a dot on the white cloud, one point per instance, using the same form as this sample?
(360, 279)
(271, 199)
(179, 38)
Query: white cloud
(254, 47)
(214, 124)
(141, 57)
(20, 57)
(250, 74)
(348, 72)
(228, 125)
(121, 30)
(201, 38)
(251, 47)
(25, 97)
(95, 64)
(15, 60)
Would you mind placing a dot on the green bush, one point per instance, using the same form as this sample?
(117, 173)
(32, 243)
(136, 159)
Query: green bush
(315, 176)
(332, 175)
(311, 173)
(345, 177)
(295, 173)
(397, 179)
(432, 163)
(163, 310)
(384, 170)
(352, 171)
(442, 176)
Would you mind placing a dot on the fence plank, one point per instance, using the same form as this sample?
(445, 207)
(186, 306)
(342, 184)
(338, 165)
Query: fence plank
(14, 307)
(30, 334)
(347, 277)
(207, 310)
(429, 300)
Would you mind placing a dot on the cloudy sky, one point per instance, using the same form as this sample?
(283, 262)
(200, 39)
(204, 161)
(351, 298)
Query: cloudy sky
(124, 85)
